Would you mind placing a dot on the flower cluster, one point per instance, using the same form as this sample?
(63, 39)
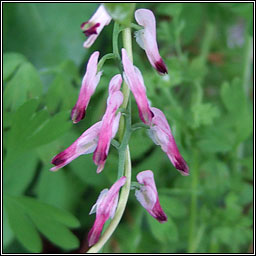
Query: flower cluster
(97, 138)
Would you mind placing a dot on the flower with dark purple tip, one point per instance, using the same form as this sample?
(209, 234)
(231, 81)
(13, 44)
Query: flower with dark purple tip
(85, 144)
(105, 208)
(146, 38)
(89, 84)
(93, 27)
(134, 80)
(148, 197)
(114, 101)
(161, 134)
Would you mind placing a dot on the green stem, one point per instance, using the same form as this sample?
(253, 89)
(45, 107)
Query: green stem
(124, 134)
(136, 26)
(193, 204)
(247, 64)
(139, 125)
(247, 70)
(104, 58)
(207, 40)
(124, 144)
(115, 40)
(127, 42)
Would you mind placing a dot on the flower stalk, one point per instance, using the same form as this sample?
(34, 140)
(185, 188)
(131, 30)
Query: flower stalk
(124, 156)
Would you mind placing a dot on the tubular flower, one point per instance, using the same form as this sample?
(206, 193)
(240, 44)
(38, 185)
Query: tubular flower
(114, 101)
(146, 38)
(105, 208)
(148, 197)
(93, 27)
(161, 134)
(85, 144)
(89, 84)
(135, 82)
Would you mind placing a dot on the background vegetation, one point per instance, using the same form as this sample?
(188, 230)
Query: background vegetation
(208, 103)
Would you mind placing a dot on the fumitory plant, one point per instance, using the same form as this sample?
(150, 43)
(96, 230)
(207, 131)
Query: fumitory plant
(116, 122)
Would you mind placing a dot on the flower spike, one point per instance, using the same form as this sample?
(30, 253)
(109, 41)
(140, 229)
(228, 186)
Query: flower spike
(89, 84)
(114, 101)
(105, 208)
(135, 82)
(146, 38)
(93, 27)
(161, 134)
(148, 197)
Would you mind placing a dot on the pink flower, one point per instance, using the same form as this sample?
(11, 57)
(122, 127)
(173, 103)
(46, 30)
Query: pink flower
(135, 82)
(105, 208)
(93, 27)
(89, 84)
(161, 134)
(114, 101)
(85, 144)
(148, 197)
(146, 38)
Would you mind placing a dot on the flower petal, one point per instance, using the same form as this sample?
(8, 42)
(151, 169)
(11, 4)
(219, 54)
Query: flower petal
(162, 135)
(105, 209)
(85, 144)
(109, 124)
(95, 232)
(135, 82)
(89, 84)
(148, 197)
(94, 26)
(146, 39)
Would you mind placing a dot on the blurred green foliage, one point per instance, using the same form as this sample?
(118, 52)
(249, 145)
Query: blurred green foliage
(207, 99)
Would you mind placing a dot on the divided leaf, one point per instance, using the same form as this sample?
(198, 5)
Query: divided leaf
(25, 84)
(11, 62)
(26, 215)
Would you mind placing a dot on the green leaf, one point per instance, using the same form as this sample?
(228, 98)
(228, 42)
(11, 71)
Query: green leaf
(7, 231)
(217, 138)
(234, 99)
(164, 232)
(197, 69)
(19, 170)
(192, 16)
(25, 84)
(61, 94)
(46, 211)
(23, 212)
(171, 9)
(232, 94)
(215, 178)
(224, 234)
(173, 206)
(32, 129)
(22, 227)
(20, 124)
(50, 32)
(11, 63)
(121, 12)
(140, 137)
(49, 130)
(61, 189)
(203, 114)
(55, 232)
